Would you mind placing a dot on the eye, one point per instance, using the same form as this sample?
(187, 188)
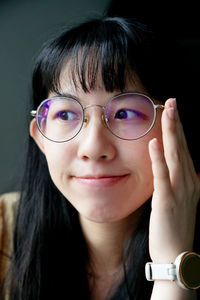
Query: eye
(66, 115)
(129, 114)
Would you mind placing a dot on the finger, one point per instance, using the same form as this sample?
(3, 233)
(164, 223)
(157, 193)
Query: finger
(172, 146)
(188, 165)
(181, 169)
(180, 132)
(162, 186)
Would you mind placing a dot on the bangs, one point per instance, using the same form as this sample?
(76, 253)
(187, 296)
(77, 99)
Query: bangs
(98, 55)
(99, 52)
(94, 66)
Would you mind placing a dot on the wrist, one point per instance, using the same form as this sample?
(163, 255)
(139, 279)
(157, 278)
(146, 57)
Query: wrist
(166, 290)
(185, 271)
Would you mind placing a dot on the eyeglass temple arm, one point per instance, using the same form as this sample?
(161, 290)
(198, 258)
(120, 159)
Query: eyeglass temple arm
(33, 113)
(160, 106)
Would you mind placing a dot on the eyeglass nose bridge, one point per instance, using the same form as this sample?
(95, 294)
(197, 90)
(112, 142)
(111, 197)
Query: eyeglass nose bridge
(86, 118)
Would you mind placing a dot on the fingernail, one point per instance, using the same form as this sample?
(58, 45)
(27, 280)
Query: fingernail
(170, 113)
(155, 144)
(174, 102)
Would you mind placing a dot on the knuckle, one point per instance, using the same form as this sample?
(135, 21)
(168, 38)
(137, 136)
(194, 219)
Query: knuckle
(175, 156)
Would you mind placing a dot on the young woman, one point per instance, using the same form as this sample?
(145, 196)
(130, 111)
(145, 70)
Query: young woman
(109, 183)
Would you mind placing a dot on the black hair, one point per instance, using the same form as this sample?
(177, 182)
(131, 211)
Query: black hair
(50, 253)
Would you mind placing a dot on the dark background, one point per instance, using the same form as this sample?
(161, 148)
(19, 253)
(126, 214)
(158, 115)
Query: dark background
(178, 24)
(26, 25)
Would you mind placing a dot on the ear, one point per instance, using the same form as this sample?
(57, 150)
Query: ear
(36, 135)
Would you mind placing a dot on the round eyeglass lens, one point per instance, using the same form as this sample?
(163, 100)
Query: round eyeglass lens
(60, 119)
(130, 116)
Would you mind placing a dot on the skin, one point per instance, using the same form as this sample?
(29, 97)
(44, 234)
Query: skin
(97, 152)
(157, 165)
(174, 202)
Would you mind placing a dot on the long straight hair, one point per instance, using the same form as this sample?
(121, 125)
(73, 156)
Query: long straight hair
(50, 253)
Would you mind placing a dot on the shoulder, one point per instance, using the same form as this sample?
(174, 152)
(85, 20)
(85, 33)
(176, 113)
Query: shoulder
(8, 209)
(9, 200)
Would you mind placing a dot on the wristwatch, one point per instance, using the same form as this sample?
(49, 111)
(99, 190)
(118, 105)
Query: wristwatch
(185, 271)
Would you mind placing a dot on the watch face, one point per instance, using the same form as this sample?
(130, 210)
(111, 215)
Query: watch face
(190, 270)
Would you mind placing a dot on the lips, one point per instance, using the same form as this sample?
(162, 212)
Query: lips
(103, 180)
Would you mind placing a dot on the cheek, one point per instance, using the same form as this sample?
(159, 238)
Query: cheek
(137, 158)
(58, 158)
(135, 154)
(156, 131)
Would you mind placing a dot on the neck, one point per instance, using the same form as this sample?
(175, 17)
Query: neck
(106, 242)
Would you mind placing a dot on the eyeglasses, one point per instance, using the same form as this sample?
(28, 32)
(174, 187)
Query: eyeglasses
(129, 116)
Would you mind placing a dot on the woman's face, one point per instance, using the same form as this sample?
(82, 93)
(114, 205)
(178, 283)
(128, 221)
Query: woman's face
(105, 178)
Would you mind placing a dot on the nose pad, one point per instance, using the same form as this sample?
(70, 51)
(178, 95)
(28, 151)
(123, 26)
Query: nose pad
(86, 120)
(104, 121)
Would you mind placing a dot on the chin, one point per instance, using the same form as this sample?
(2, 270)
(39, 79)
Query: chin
(106, 208)
(106, 213)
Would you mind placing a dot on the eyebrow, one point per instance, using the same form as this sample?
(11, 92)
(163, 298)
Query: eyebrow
(67, 95)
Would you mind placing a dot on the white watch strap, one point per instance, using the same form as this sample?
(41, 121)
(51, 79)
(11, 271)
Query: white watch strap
(160, 271)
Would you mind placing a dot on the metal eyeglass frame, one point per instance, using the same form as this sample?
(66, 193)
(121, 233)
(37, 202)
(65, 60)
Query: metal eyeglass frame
(34, 113)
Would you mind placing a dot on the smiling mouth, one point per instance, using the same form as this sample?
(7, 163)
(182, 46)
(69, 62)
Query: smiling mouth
(100, 180)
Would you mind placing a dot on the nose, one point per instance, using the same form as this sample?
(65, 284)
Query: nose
(95, 140)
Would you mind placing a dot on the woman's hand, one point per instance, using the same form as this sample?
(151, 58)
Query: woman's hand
(176, 191)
